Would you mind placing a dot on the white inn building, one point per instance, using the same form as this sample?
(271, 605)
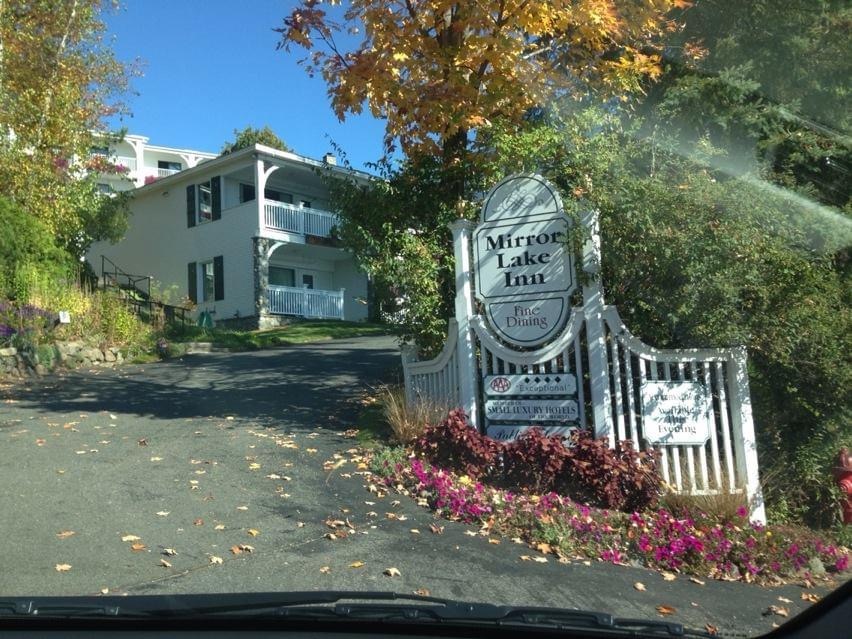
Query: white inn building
(246, 236)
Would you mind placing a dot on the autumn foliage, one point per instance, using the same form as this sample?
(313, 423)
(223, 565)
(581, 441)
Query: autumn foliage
(435, 70)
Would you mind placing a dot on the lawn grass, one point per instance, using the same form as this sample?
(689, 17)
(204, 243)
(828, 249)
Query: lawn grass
(301, 332)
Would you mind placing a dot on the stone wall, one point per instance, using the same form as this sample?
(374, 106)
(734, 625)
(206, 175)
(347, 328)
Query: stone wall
(46, 357)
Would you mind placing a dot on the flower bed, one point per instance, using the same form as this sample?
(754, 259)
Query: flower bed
(701, 546)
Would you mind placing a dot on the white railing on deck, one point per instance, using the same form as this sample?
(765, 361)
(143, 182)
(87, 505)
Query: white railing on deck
(129, 163)
(166, 172)
(280, 216)
(305, 302)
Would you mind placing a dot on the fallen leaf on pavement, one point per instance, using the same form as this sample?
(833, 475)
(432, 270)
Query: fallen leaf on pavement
(169, 552)
(325, 570)
(63, 567)
(216, 560)
(526, 558)
(235, 549)
(435, 528)
(130, 538)
(252, 466)
(494, 541)
(711, 629)
(165, 563)
(104, 591)
(356, 564)
(669, 576)
(639, 586)
(696, 580)
(311, 451)
(273, 476)
(65, 534)
(219, 527)
(253, 532)
(810, 596)
(469, 533)
(414, 531)
(541, 560)
(41, 441)
(198, 522)
(242, 507)
(666, 610)
(162, 513)
(423, 592)
(137, 546)
(392, 572)
(156, 459)
(785, 600)
(142, 442)
(777, 610)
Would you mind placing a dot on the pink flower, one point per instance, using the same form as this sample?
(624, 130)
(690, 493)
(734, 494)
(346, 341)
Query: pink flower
(742, 511)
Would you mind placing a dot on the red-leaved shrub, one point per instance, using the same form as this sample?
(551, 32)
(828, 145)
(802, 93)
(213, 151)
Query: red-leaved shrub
(535, 461)
(620, 478)
(455, 445)
(587, 470)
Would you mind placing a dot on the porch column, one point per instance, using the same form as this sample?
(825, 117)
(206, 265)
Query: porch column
(259, 187)
(260, 259)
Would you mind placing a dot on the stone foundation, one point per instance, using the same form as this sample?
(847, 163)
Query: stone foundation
(47, 357)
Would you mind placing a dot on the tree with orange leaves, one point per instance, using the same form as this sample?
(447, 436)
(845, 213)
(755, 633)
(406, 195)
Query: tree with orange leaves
(438, 70)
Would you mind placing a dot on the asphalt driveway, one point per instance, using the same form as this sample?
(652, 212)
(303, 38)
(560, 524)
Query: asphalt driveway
(225, 472)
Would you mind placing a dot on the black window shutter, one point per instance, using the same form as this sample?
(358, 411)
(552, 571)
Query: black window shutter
(216, 189)
(192, 282)
(190, 205)
(218, 278)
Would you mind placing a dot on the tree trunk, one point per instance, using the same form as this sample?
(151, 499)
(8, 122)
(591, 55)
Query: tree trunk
(454, 153)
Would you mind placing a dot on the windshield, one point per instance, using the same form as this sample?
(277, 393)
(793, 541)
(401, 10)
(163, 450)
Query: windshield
(522, 304)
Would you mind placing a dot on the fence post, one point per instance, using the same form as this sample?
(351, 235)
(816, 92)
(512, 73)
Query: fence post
(593, 305)
(468, 386)
(409, 355)
(742, 425)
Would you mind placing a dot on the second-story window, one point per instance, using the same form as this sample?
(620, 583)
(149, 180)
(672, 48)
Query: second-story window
(204, 201)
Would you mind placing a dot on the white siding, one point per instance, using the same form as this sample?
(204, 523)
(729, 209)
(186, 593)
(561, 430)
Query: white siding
(347, 275)
(159, 243)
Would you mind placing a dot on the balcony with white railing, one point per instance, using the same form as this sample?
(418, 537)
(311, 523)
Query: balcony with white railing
(280, 216)
(305, 302)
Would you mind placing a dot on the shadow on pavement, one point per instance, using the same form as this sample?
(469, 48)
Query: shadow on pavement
(296, 385)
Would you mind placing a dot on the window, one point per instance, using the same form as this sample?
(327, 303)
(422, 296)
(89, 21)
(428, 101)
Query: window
(204, 201)
(104, 188)
(306, 204)
(169, 166)
(206, 280)
(278, 196)
(247, 193)
(307, 281)
(100, 150)
(280, 276)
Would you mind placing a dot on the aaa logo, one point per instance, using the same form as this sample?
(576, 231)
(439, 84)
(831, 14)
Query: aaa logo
(500, 384)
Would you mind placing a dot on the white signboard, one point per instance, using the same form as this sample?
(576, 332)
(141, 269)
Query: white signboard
(523, 265)
(556, 384)
(676, 413)
(508, 433)
(531, 410)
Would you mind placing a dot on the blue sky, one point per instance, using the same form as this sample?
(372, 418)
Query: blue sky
(210, 66)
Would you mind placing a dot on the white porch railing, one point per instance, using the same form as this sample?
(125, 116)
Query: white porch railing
(305, 302)
(166, 172)
(280, 216)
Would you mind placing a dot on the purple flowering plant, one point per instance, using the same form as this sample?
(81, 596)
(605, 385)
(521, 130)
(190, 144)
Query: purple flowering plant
(701, 545)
